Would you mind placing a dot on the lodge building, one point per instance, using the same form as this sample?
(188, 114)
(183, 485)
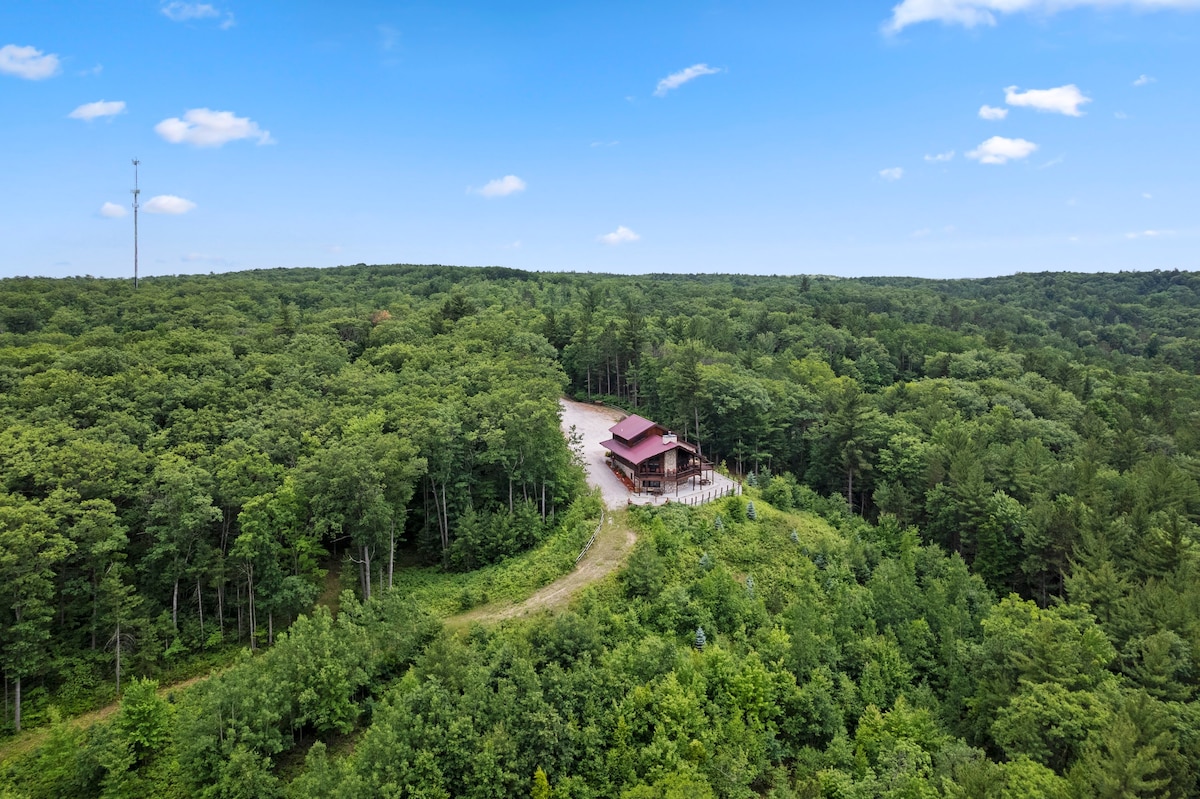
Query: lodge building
(652, 459)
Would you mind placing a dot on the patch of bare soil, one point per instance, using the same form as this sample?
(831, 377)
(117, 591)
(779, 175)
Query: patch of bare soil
(608, 552)
(29, 740)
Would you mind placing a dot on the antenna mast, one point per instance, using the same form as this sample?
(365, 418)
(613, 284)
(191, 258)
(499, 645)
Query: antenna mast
(136, 192)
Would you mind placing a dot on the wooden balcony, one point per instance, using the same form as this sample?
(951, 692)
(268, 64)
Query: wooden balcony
(693, 469)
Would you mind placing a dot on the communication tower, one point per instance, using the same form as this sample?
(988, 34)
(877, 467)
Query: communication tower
(136, 192)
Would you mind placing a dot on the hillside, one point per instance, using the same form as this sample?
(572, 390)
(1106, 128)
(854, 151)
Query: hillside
(969, 568)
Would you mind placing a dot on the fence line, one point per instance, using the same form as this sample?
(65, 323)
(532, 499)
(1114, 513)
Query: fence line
(591, 540)
(714, 494)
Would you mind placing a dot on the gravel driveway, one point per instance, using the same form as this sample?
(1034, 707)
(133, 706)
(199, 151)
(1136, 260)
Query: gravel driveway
(593, 422)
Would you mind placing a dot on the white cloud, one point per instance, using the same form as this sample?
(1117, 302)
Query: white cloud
(970, 13)
(1062, 100)
(1144, 80)
(622, 235)
(168, 204)
(179, 11)
(613, 143)
(677, 79)
(199, 257)
(1149, 234)
(100, 108)
(940, 158)
(999, 150)
(112, 211)
(1120, 115)
(990, 112)
(892, 173)
(1147, 195)
(925, 232)
(29, 63)
(203, 127)
(500, 187)
(388, 37)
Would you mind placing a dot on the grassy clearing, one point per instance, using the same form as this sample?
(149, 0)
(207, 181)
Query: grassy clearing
(441, 593)
(613, 542)
(444, 594)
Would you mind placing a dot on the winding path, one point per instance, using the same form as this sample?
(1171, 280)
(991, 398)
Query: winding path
(613, 543)
(614, 540)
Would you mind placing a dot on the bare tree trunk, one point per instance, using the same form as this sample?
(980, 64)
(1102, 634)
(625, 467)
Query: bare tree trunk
(118, 648)
(200, 606)
(446, 521)
(221, 605)
(425, 502)
(366, 552)
(271, 628)
(17, 713)
(250, 596)
(443, 518)
(391, 553)
(850, 489)
(175, 606)
(95, 608)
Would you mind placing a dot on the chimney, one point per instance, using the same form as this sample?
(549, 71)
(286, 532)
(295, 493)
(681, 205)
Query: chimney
(670, 438)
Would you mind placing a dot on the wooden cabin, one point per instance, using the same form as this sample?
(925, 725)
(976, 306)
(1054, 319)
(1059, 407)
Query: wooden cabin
(652, 458)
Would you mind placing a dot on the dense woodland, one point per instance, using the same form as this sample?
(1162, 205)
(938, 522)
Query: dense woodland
(965, 563)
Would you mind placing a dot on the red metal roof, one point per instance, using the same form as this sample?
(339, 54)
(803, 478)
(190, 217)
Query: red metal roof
(631, 427)
(644, 450)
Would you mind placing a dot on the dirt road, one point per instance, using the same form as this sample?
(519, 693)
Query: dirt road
(612, 545)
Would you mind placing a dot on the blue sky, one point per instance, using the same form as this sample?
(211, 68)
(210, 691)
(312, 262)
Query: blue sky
(936, 138)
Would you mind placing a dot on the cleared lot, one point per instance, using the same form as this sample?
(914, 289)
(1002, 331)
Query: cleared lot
(593, 421)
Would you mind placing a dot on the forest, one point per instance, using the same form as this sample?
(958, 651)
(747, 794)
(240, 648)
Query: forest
(239, 512)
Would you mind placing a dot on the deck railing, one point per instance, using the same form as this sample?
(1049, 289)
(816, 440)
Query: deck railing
(690, 470)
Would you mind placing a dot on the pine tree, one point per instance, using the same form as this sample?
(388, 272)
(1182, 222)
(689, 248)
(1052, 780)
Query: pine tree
(541, 785)
(701, 640)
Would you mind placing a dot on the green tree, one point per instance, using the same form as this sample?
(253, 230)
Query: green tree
(541, 785)
(851, 434)
(360, 486)
(180, 515)
(30, 549)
